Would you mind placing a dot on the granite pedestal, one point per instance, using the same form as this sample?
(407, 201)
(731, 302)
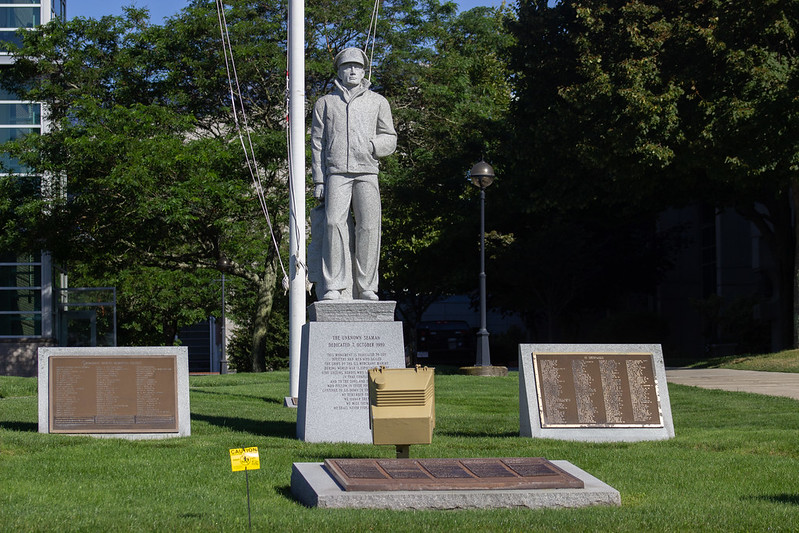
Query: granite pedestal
(340, 343)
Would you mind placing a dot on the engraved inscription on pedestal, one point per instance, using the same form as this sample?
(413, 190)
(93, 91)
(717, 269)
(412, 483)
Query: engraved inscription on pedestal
(449, 474)
(597, 390)
(334, 389)
(113, 394)
(347, 358)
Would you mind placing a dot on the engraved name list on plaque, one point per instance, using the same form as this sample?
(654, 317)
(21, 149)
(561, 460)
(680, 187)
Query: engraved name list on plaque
(113, 394)
(595, 389)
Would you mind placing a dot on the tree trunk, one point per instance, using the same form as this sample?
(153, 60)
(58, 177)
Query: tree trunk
(263, 310)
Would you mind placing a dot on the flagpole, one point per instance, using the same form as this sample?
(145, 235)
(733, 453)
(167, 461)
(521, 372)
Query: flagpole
(297, 268)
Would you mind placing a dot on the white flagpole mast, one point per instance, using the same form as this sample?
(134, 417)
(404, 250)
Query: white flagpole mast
(297, 268)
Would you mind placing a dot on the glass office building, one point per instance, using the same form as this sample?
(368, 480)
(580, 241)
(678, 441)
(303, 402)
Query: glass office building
(27, 285)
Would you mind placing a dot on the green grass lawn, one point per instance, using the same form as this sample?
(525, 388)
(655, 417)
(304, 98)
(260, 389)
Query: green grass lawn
(785, 361)
(733, 466)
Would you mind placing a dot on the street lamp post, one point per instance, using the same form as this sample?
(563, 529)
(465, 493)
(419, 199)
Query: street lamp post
(482, 176)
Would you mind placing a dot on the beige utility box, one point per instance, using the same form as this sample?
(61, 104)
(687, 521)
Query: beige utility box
(402, 405)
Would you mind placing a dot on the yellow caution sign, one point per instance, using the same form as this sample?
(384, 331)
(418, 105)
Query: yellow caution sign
(244, 459)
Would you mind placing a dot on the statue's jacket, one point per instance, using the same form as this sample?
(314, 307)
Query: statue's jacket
(350, 131)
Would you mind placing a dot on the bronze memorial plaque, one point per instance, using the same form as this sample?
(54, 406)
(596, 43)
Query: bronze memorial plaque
(449, 474)
(597, 390)
(113, 394)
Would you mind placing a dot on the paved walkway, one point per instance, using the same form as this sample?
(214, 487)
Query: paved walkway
(769, 383)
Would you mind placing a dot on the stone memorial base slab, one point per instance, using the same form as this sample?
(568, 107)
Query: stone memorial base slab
(352, 311)
(488, 371)
(314, 486)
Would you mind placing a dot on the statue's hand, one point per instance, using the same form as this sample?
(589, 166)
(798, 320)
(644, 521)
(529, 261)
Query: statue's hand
(319, 192)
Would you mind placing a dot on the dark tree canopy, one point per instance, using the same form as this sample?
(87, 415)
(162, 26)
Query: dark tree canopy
(628, 107)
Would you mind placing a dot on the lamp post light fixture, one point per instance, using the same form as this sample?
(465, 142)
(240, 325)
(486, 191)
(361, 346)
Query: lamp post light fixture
(482, 176)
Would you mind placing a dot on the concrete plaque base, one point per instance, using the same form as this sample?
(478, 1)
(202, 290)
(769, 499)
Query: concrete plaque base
(488, 371)
(119, 392)
(313, 486)
(593, 395)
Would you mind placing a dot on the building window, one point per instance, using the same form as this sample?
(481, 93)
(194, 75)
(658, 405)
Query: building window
(14, 17)
(20, 17)
(17, 119)
(20, 113)
(21, 279)
(20, 296)
(11, 164)
(60, 9)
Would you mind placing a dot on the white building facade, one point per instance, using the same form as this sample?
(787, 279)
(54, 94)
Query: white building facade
(27, 288)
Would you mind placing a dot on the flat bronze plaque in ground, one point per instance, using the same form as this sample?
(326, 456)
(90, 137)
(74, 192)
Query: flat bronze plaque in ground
(449, 474)
(113, 394)
(580, 390)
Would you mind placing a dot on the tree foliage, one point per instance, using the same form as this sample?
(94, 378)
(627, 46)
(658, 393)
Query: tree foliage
(629, 106)
(144, 181)
(448, 118)
(141, 174)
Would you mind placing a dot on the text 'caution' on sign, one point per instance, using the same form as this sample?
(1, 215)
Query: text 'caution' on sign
(244, 459)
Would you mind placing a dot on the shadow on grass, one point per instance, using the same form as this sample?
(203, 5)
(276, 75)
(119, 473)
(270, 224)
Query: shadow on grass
(261, 398)
(263, 428)
(285, 492)
(479, 434)
(320, 454)
(791, 499)
(20, 426)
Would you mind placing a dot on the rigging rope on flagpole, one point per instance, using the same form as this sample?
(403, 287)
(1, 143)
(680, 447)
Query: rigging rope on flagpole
(289, 145)
(243, 129)
(372, 34)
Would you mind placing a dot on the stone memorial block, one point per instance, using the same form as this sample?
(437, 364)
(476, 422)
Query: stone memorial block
(514, 483)
(133, 393)
(333, 402)
(594, 392)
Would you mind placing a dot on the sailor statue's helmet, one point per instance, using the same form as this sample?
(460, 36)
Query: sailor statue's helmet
(350, 55)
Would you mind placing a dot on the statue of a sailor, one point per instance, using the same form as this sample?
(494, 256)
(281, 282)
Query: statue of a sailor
(352, 128)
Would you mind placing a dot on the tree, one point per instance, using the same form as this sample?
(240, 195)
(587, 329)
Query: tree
(450, 106)
(143, 171)
(637, 105)
(138, 173)
(583, 167)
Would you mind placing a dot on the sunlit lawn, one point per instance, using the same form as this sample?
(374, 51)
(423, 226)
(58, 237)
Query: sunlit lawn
(733, 466)
(785, 361)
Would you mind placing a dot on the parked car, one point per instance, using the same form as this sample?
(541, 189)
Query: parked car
(444, 342)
